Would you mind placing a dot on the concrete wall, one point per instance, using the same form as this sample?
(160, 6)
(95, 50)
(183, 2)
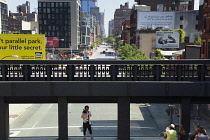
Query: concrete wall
(189, 22)
(147, 42)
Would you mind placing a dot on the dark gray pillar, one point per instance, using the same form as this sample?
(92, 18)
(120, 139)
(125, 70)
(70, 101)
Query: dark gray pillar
(4, 119)
(185, 113)
(123, 118)
(63, 118)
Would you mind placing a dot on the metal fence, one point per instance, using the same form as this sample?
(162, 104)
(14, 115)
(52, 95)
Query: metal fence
(150, 70)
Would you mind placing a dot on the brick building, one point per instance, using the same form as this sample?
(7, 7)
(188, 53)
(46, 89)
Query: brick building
(120, 16)
(125, 35)
(168, 5)
(205, 49)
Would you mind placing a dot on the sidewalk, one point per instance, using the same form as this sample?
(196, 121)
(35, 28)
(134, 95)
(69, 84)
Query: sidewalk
(15, 110)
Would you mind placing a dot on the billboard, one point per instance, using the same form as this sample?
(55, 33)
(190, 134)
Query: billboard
(155, 20)
(167, 39)
(52, 42)
(22, 47)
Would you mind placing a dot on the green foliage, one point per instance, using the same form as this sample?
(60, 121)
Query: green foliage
(198, 40)
(93, 45)
(182, 34)
(111, 39)
(158, 55)
(130, 52)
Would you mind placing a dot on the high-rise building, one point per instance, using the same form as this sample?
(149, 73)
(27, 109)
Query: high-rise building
(4, 17)
(86, 4)
(61, 19)
(24, 8)
(168, 5)
(120, 16)
(111, 26)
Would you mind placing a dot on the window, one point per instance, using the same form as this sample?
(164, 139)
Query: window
(181, 26)
(181, 17)
(197, 17)
(196, 27)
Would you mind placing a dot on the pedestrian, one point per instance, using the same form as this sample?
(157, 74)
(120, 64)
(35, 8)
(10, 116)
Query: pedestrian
(192, 137)
(201, 134)
(170, 133)
(86, 114)
(182, 135)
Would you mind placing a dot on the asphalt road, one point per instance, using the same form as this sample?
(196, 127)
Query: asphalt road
(42, 119)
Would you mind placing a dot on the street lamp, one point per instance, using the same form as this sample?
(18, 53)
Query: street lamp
(14, 56)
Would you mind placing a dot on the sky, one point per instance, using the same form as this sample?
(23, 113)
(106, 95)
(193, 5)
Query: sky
(108, 6)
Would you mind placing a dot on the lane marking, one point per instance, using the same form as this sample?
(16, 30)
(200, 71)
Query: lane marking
(34, 124)
(53, 127)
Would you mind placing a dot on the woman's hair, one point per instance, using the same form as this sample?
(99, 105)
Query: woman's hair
(84, 111)
(181, 130)
(201, 130)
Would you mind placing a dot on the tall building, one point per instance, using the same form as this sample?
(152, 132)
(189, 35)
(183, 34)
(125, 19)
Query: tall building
(61, 19)
(24, 8)
(120, 16)
(86, 4)
(111, 26)
(205, 48)
(4, 17)
(168, 5)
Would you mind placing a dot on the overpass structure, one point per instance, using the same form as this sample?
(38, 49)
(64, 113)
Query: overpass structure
(183, 82)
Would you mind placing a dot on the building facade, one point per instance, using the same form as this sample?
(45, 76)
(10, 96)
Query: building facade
(24, 8)
(111, 26)
(120, 16)
(4, 17)
(86, 4)
(168, 5)
(125, 35)
(205, 48)
(61, 19)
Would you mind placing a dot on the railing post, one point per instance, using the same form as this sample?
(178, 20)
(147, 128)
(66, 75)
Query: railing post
(4, 71)
(135, 72)
(49, 72)
(4, 119)
(92, 72)
(123, 118)
(201, 69)
(113, 72)
(157, 72)
(63, 118)
(70, 70)
(179, 72)
(185, 113)
(26, 72)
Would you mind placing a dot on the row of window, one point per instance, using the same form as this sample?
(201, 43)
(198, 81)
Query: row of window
(196, 27)
(54, 4)
(55, 16)
(56, 33)
(182, 17)
(55, 22)
(55, 28)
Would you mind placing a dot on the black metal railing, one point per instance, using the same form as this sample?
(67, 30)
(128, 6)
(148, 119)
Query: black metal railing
(151, 70)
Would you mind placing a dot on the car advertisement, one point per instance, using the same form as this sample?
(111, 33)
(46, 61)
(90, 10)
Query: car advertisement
(155, 20)
(22, 47)
(167, 39)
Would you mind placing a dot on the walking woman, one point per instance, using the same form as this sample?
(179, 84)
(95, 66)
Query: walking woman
(86, 114)
(170, 133)
(201, 134)
(182, 135)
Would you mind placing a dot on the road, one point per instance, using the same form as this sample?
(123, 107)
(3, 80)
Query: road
(42, 119)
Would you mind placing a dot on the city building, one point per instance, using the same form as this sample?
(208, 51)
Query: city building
(61, 19)
(125, 35)
(86, 4)
(188, 21)
(111, 27)
(205, 48)
(120, 16)
(168, 5)
(24, 8)
(85, 31)
(4, 17)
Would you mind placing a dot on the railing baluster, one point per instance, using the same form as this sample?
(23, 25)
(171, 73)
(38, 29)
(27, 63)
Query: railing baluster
(49, 72)
(134, 70)
(92, 72)
(4, 71)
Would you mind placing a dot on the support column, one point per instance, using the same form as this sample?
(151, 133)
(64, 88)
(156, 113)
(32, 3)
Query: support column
(185, 113)
(63, 118)
(4, 119)
(123, 118)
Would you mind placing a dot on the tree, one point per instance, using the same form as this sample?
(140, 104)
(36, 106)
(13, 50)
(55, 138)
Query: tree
(158, 55)
(130, 52)
(111, 39)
